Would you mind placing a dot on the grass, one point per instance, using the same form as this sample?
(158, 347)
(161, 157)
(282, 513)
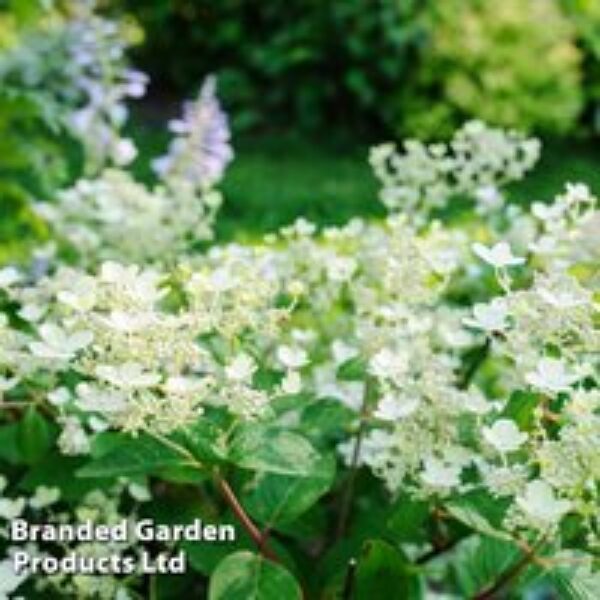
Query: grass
(276, 179)
(561, 162)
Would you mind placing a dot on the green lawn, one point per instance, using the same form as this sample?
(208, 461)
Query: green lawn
(275, 179)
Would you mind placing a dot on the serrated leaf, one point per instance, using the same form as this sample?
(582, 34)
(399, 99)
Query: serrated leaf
(247, 576)
(262, 448)
(276, 499)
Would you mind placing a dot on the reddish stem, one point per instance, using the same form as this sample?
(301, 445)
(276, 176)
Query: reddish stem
(253, 531)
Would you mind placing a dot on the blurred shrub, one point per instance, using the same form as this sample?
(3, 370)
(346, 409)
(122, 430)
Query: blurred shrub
(412, 66)
(34, 147)
(511, 63)
(312, 62)
(585, 15)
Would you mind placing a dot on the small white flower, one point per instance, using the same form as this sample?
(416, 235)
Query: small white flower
(342, 352)
(504, 436)
(44, 496)
(9, 580)
(124, 151)
(341, 269)
(564, 299)
(11, 508)
(578, 193)
(547, 212)
(541, 505)
(392, 408)
(139, 492)
(241, 368)
(545, 244)
(94, 399)
(498, 256)
(476, 402)
(73, 440)
(59, 397)
(296, 288)
(97, 425)
(130, 375)
(186, 386)
(7, 383)
(551, 376)
(32, 312)
(488, 199)
(292, 358)
(9, 276)
(387, 364)
(291, 383)
(81, 296)
(439, 474)
(222, 280)
(58, 344)
(127, 322)
(489, 317)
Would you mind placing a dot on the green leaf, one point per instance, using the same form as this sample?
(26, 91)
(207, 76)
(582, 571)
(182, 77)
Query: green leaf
(575, 583)
(382, 567)
(276, 499)
(262, 448)
(481, 512)
(9, 447)
(58, 470)
(326, 417)
(204, 440)
(407, 521)
(247, 576)
(480, 561)
(520, 408)
(353, 369)
(133, 456)
(34, 436)
(205, 558)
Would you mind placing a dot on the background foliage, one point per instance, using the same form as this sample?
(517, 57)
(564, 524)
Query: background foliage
(404, 66)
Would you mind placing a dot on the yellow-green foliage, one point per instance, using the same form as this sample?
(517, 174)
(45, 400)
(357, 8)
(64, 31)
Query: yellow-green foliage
(509, 62)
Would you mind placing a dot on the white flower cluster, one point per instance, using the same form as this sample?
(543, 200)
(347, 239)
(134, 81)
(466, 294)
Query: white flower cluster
(476, 162)
(111, 216)
(130, 340)
(115, 217)
(438, 425)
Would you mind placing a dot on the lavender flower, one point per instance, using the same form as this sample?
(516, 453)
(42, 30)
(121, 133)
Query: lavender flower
(201, 150)
(96, 50)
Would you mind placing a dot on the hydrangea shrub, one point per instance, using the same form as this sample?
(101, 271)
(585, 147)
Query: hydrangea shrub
(407, 407)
